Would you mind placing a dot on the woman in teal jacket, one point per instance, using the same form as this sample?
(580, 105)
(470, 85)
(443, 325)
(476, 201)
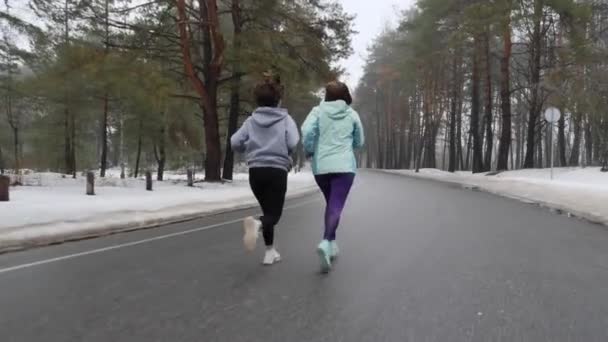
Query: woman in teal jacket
(331, 133)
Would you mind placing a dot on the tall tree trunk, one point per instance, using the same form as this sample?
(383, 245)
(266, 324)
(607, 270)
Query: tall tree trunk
(387, 128)
(419, 132)
(512, 151)
(426, 123)
(380, 156)
(412, 133)
(436, 110)
(444, 165)
(535, 67)
(212, 138)
(70, 141)
(588, 142)
(561, 140)
(519, 140)
(576, 143)
(161, 157)
(67, 141)
(561, 123)
(386, 134)
(597, 143)
(390, 144)
(2, 166)
(12, 117)
(539, 144)
(104, 137)
(104, 118)
(368, 160)
(17, 156)
(505, 96)
(475, 103)
(73, 139)
(233, 118)
(520, 131)
(8, 99)
(460, 156)
(213, 72)
(467, 165)
(213, 59)
(405, 120)
(138, 153)
(454, 102)
(420, 146)
(488, 109)
(235, 89)
(121, 150)
(429, 160)
(15, 125)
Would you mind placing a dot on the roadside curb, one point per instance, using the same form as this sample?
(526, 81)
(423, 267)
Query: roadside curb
(22, 238)
(555, 207)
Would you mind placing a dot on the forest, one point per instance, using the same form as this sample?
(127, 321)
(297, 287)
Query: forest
(161, 84)
(153, 84)
(464, 84)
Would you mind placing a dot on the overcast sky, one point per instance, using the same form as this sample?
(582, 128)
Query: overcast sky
(372, 17)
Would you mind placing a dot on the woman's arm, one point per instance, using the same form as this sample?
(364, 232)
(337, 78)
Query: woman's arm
(358, 134)
(310, 131)
(292, 135)
(238, 140)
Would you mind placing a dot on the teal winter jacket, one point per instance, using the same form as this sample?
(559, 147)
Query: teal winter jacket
(331, 133)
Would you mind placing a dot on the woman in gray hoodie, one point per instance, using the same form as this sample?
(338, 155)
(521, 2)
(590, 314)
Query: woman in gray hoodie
(267, 138)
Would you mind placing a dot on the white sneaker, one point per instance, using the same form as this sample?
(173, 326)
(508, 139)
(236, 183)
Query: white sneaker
(251, 226)
(271, 257)
(323, 250)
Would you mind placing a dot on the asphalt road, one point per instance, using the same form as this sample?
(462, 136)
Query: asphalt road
(420, 262)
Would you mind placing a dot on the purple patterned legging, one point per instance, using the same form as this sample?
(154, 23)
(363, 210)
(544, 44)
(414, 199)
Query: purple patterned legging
(335, 188)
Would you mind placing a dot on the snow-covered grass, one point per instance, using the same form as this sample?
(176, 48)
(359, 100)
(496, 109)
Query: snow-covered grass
(52, 207)
(580, 191)
(587, 179)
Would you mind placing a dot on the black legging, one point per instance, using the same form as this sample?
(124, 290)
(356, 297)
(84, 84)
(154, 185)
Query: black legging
(269, 186)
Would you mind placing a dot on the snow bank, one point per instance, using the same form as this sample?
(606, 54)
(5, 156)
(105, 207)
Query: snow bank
(577, 191)
(53, 208)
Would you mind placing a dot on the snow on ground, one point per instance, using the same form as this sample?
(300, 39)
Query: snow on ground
(53, 207)
(580, 191)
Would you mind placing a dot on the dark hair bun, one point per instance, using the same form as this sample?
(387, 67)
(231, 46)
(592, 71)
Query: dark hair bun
(269, 91)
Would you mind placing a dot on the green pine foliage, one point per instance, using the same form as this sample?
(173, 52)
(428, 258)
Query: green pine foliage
(74, 57)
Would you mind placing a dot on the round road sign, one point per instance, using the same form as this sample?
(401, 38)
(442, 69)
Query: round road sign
(552, 114)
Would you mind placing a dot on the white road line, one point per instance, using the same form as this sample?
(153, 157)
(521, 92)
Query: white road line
(134, 243)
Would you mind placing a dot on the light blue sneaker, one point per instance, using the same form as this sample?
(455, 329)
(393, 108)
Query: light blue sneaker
(324, 251)
(333, 250)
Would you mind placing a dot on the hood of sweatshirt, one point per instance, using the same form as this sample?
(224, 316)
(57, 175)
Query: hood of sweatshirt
(336, 110)
(269, 116)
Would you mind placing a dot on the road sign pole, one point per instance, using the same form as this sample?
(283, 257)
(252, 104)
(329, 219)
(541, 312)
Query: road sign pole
(551, 150)
(552, 115)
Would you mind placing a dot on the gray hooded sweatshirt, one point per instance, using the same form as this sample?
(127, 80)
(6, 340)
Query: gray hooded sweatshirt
(268, 137)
